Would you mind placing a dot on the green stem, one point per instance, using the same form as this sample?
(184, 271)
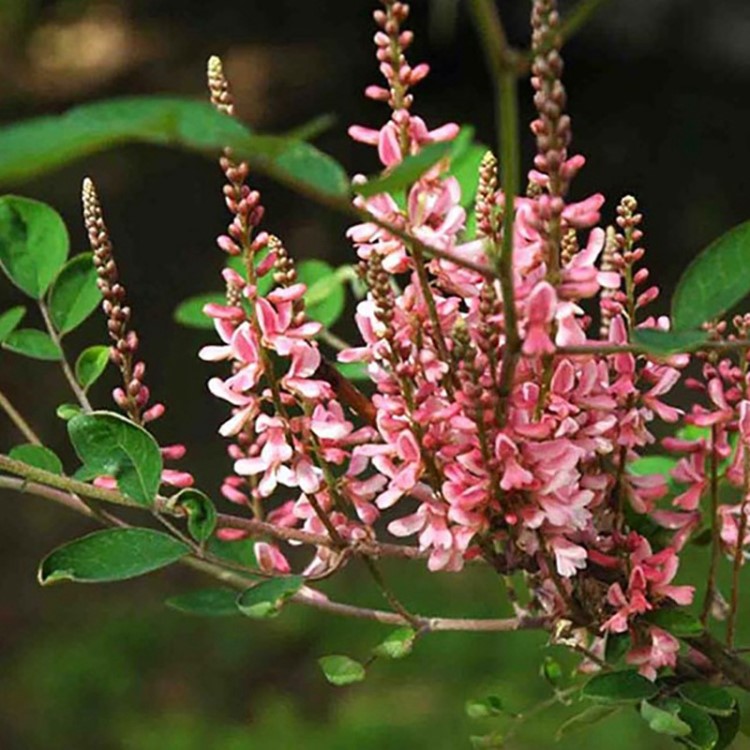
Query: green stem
(715, 530)
(80, 394)
(18, 420)
(48, 478)
(502, 61)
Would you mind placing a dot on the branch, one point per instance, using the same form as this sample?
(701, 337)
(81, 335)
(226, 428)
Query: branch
(66, 484)
(48, 493)
(80, 394)
(727, 662)
(17, 418)
(242, 582)
(424, 623)
(502, 63)
(363, 548)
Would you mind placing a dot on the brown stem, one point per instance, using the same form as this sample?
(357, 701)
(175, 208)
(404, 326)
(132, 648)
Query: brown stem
(347, 392)
(727, 662)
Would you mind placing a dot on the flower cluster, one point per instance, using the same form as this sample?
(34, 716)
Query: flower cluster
(507, 426)
(133, 398)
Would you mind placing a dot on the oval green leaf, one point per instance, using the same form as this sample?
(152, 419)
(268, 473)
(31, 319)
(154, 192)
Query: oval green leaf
(413, 167)
(728, 727)
(626, 686)
(353, 370)
(485, 708)
(219, 602)
(465, 169)
(704, 734)
(585, 719)
(666, 343)
(40, 145)
(709, 698)
(325, 298)
(33, 243)
(74, 295)
(267, 598)
(201, 513)
(663, 722)
(678, 622)
(397, 645)
(189, 312)
(110, 445)
(66, 412)
(341, 670)
(37, 456)
(9, 320)
(29, 342)
(91, 364)
(111, 555)
(714, 281)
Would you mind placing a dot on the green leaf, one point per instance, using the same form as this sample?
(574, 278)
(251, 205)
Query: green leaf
(299, 165)
(485, 708)
(618, 644)
(111, 555)
(551, 671)
(341, 670)
(492, 741)
(111, 445)
(29, 342)
(647, 465)
(709, 698)
(201, 513)
(704, 734)
(353, 370)
(325, 298)
(239, 551)
(74, 295)
(190, 313)
(663, 722)
(267, 598)
(310, 130)
(714, 281)
(397, 645)
(678, 622)
(465, 169)
(665, 343)
(590, 716)
(220, 602)
(33, 242)
(625, 686)
(66, 412)
(9, 320)
(36, 146)
(38, 456)
(91, 364)
(728, 727)
(413, 167)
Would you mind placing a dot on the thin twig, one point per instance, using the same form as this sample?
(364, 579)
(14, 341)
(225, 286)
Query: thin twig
(365, 548)
(715, 529)
(80, 394)
(18, 420)
(502, 64)
(390, 597)
(66, 484)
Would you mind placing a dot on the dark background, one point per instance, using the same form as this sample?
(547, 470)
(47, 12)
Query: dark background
(658, 94)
